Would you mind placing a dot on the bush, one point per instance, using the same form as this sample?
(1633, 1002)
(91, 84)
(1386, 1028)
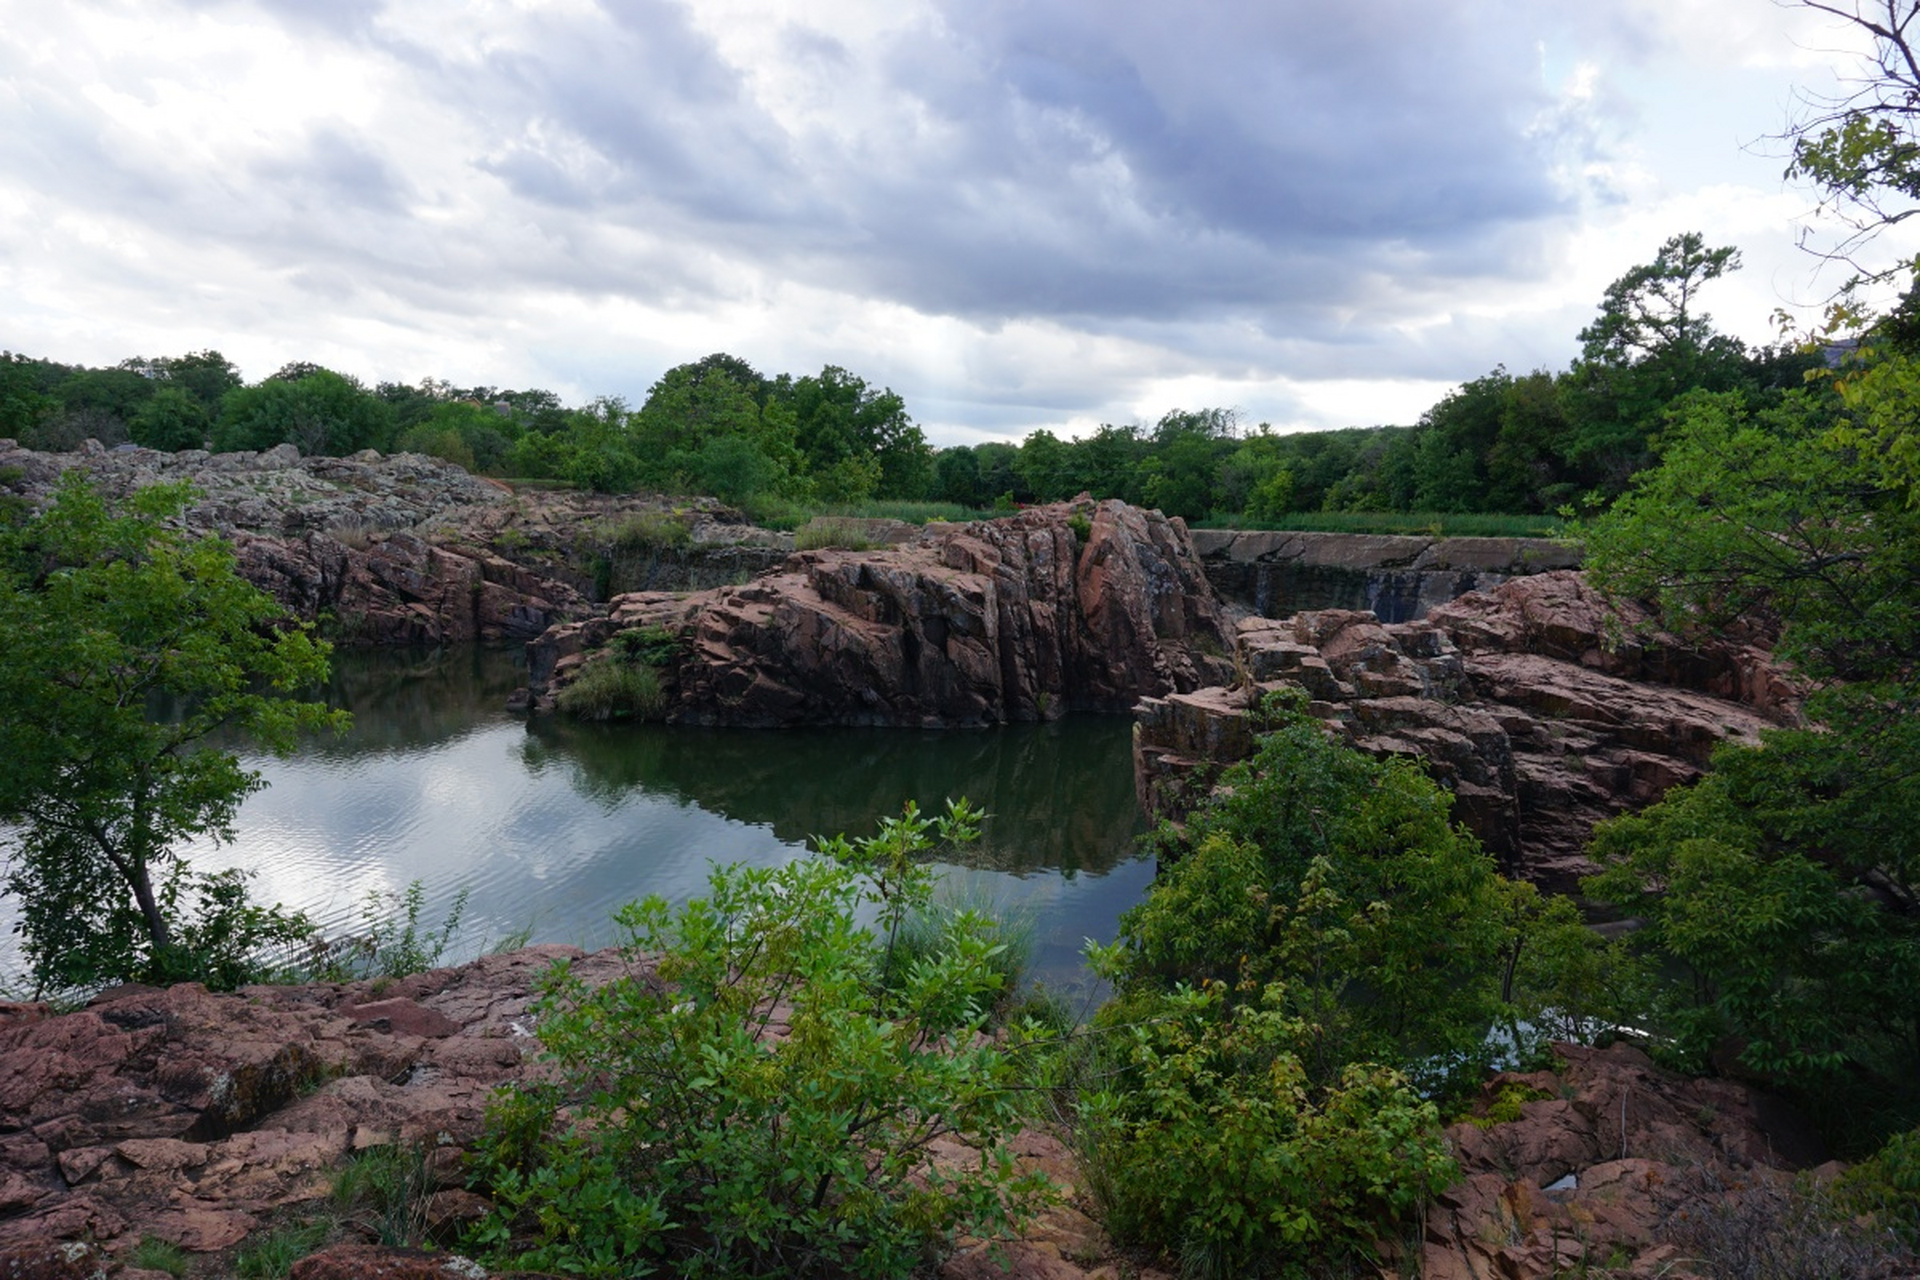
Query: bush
(680, 1129)
(1211, 1141)
(609, 689)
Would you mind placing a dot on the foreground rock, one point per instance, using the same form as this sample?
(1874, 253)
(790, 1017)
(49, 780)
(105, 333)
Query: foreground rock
(202, 1119)
(1611, 1164)
(1541, 707)
(409, 550)
(1396, 578)
(968, 624)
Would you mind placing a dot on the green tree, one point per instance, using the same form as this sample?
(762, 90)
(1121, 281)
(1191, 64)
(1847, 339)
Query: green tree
(318, 411)
(1787, 885)
(22, 405)
(171, 419)
(838, 418)
(1649, 344)
(126, 646)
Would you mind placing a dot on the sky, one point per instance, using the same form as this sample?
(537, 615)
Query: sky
(1018, 214)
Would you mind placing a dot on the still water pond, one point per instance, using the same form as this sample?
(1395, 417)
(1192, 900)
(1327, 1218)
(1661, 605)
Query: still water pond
(554, 826)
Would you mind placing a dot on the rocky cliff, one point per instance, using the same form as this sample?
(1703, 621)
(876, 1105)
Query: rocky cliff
(1075, 606)
(408, 550)
(1541, 706)
(1396, 578)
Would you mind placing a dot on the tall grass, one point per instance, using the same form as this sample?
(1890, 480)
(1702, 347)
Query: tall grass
(772, 512)
(1421, 523)
(1012, 929)
(610, 689)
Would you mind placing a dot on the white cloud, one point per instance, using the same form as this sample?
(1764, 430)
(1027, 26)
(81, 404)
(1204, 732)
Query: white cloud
(1015, 214)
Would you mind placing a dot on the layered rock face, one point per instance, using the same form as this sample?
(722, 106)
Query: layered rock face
(408, 550)
(1542, 708)
(982, 623)
(1396, 578)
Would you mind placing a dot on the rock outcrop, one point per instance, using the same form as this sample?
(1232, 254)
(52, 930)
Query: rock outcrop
(409, 550)
(968, 624)
(1540, 706)
(1611, 1163)
(1397, 578)
(201, 1119)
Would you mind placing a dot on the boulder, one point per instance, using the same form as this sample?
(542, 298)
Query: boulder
(969, 624)
(1542, 707)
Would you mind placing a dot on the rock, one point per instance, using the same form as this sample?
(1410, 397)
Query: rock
(971, 624)
(1397, 578)
(186, 1115)
(408, 550)
(1647, 1151)
(378, 1262)
(1540, 706)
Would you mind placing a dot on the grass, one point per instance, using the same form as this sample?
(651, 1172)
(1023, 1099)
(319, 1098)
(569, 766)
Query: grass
(272, 1254)
(153, 1254)
(649, 531)
(1419, 523)
(384, 1191)
(610, 689)
(771, 512)
(833, 531)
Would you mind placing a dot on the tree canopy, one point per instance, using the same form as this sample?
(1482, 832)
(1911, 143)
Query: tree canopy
(126, 645)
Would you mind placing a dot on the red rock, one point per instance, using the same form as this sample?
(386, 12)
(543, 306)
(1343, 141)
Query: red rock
(973, 624)
(404, 1017)
(1542, 708)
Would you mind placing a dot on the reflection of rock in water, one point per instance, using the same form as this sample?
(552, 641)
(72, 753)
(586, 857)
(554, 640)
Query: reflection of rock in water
(1060, 796)
(412, 698)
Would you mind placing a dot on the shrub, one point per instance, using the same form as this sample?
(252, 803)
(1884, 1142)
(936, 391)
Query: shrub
(679, 1130)
(1211, 1141)
(610, 689)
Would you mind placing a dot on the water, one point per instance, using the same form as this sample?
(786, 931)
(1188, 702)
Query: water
(551, 827)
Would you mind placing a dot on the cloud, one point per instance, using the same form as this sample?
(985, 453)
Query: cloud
(1016, 212)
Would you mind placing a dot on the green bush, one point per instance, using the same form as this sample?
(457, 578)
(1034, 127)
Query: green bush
(1211, 1141)
(682, 1130)
(609, 689)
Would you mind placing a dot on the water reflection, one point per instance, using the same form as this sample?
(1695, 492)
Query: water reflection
(554, 826)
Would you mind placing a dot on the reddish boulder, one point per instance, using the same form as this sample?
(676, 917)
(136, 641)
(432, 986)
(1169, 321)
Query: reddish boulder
(1542, 708)
(983, 623)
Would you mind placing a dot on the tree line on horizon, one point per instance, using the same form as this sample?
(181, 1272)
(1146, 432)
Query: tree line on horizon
(1517, 444)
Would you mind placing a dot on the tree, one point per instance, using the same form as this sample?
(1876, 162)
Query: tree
(1861, 148)
(126, 646)
(171, 419)
(1786, 886)
(1649, 344)
(22, 406)
(320, 412)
